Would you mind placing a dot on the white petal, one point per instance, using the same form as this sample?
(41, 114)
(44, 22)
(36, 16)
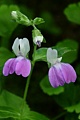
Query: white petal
(24, 46)
(59, 59)
(15, 46)
(52, 55)
(38, 38)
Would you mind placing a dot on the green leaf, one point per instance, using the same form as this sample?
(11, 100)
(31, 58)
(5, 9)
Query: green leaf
(6, 112)
(72, 13)
(73, 108)
(8, 99)
(15, 107)
(11, 106)
(40, 54)
(48, 89)
(38, 21)
(36, 116)
(69, 50)
(7, 26)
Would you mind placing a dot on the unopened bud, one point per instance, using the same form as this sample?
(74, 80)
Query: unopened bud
(37, 37)
(14, 14)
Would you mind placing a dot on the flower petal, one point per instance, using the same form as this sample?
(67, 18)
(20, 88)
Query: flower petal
(9, 67)
(23, 67)
(55, 76)
(15, 46)
(24, 46)
(61, 73)
(68, 72)
(38, 38)
(52, 55)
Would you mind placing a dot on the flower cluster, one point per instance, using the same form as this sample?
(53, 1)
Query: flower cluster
(59, 73)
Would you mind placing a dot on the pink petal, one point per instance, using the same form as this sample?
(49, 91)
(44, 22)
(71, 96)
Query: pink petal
(23, 67)
(68, 72)
(9, 67)
(61, 73)
(55, 76)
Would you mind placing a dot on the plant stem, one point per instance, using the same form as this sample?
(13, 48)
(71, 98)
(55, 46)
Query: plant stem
(27, 84)
(28, 80)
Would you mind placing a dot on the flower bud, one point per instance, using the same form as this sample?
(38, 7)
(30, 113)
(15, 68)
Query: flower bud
(20, 18)
(14, 14)
(37, 37)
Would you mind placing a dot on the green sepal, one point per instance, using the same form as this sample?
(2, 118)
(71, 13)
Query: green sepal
(36, 32)
(38, 21)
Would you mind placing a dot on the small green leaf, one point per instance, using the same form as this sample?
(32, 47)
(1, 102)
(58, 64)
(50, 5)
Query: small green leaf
(72, 13)
(73, 108)
(48, 89)
(40, 54)
(68, 49)
(38, 21)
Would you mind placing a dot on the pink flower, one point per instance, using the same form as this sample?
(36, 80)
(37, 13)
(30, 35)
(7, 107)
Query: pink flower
(20, 65)
(59, 73)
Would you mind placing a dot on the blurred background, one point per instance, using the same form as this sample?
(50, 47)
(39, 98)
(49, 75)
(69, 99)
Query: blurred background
(56, 29)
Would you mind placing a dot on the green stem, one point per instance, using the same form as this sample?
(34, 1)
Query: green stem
(27, 84)
(28, 80)
(34, 26)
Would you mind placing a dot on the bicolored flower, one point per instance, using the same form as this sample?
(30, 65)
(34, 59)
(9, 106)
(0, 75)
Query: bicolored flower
(59, 73)
(20, 65)
(37, 37)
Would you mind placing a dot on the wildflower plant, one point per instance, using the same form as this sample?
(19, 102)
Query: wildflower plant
(59, 73)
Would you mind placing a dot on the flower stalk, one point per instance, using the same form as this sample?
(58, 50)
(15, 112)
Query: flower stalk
(28, 80)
